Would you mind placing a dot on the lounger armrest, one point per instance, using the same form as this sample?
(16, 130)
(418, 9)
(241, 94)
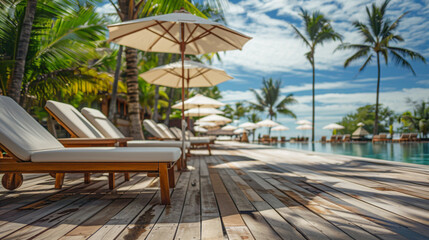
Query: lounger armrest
(88, 142)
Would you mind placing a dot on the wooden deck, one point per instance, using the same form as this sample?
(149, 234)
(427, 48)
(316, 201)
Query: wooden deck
(241, 192)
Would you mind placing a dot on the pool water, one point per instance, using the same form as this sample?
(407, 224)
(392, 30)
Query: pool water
(400, 152)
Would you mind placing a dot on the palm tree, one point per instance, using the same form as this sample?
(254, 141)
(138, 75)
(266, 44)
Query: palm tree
(270, 99)
(318, 30)
(419, 119)
(378, 34)
(254, 118)
(15, 83)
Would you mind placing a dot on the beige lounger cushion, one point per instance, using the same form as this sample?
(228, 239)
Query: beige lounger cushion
(142, 143)
(108, 154)
(153, 129)
(166, 130)
(20, 133)
(193, 140)
(100, 121)
(73, 119)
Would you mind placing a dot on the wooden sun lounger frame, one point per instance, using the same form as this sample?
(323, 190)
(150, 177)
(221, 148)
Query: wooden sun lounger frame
(75, 141)
(13, 167)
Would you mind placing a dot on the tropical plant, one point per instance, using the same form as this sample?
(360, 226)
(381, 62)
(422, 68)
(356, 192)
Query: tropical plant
(15, 82)
(418, 120)
(236, 111)
(379, 33)
(211, 92)
(366, 115)
(51, 63)
(318, 31)
(269, 99)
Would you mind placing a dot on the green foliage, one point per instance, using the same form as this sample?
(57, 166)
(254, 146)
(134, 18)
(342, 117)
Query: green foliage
(61, 46)
(211, 92)
(237, 111)
(366, 115)
(269, 99)
(418, 120)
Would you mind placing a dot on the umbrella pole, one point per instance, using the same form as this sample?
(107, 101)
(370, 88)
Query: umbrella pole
(182, 51)
(187, 97)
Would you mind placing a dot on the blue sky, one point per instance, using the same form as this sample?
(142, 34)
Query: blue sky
(275, 52)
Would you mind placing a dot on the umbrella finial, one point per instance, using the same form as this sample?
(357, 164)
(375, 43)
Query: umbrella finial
(182, 10)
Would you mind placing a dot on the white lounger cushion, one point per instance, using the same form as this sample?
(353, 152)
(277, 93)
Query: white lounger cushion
(100, 121)
(143, 143)
(166, 130)
(108, 154)
(193, 140)
(73, 119)
(20, 133)
(153, 129)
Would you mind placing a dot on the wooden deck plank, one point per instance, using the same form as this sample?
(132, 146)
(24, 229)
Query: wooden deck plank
(241, 192)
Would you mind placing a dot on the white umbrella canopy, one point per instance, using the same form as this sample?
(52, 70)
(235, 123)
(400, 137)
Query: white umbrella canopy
(229, 128)
(165, 33)
(199, 101)
(249, 125)
(304, 127)
(196, 75)
(197, 112)
(216, 119)
(267, 123)
(179, 32)
(303, 122)
(361, 124)
(206, 124)
(200, 129)
(333, 126)
(280, 128)
(239, 131)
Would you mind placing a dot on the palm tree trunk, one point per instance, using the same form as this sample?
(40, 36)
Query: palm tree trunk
(15, 83)
(314, 107)
(378, 93)
(133, 94)
(170, 103)
(113, 97)
(155, 116)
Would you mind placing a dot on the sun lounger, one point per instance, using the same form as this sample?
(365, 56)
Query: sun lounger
(413, 137)
(346, 138)
(339, 138)
(283, 139)
(382, 137)
(323, 139)
(333, 139)
(165, 134)
(82, 128)
(100, 121)
(32, 149)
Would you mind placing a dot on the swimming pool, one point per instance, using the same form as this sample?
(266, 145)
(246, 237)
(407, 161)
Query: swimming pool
(401, 152)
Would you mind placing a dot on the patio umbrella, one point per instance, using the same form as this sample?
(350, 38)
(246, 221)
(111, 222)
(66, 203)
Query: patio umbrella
(197, 112)
(361, 124)
(239, 131)
(334, 127)
(303, 122)
(196, 75)
(200, 129)
(179, 32)
(360, 131)
(267, 123)
(216, 119)
(207, 124)
(229, 128)
(304, 127)
(280, 128)
(199, 101)
(249, 125)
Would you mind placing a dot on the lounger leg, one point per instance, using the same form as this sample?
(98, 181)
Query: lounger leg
(111, 181)
(87, 177)
(179, 164)
(171, 178)
(208, 148)
(127, 176)
(163, 179)
(59, 179)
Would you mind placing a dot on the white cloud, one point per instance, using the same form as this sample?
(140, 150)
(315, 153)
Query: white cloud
(275, 48)
(423, 82)
(323, 85)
